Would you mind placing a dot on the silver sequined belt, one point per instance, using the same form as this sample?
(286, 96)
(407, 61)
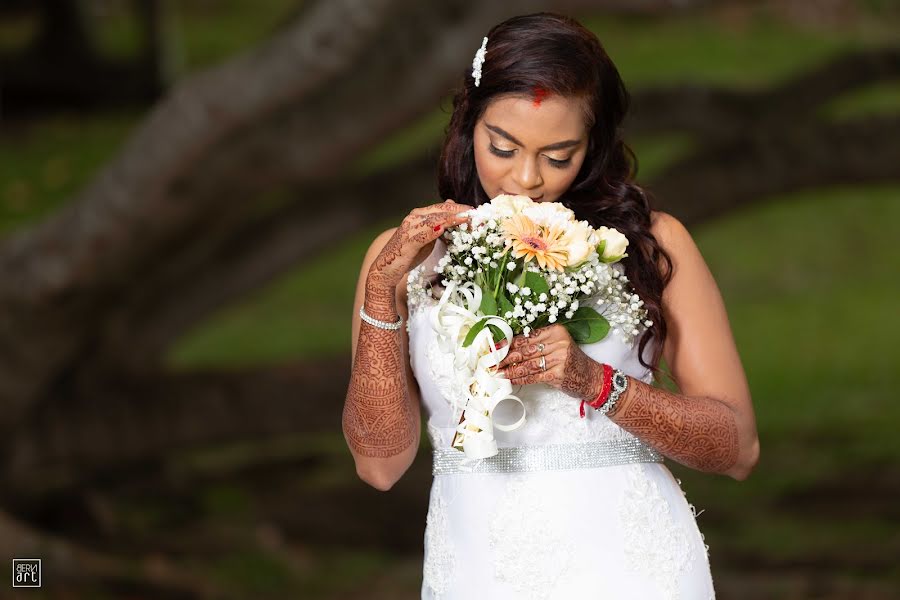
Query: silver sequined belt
(552, 457)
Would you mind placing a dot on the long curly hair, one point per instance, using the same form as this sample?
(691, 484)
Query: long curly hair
(558, 54)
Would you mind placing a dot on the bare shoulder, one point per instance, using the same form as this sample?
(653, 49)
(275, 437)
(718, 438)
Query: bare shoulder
(669, 231)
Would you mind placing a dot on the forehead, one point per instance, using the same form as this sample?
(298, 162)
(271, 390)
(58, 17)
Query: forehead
(537, 119)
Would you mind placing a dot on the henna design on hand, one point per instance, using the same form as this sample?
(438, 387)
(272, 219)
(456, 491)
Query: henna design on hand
(583, 375)
(699, 432)
(378, 418)
(406, 246)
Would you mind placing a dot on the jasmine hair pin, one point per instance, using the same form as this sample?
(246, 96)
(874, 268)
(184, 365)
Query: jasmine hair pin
(479, 60)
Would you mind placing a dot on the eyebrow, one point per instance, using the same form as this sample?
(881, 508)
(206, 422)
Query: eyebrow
(556, 146)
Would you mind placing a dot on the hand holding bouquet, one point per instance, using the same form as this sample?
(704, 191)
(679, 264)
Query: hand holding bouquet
(517, 266)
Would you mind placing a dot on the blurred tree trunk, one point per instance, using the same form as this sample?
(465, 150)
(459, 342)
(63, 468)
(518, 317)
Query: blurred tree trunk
(169, 231)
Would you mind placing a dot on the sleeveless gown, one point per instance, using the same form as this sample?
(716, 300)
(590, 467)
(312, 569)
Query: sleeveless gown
(624, 532)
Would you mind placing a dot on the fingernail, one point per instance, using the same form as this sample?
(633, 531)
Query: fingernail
(437, 227)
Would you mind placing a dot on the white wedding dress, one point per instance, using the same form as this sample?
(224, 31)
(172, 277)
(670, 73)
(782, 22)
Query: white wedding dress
(622, 532)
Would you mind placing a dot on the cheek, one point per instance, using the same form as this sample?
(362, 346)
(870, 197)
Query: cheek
(563, 178)
(558, 181)
(490, 170)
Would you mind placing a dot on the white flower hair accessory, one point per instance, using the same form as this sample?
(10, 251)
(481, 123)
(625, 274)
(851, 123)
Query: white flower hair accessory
(478, 61)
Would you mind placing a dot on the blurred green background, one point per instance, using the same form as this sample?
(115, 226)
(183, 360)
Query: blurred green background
(810, 281)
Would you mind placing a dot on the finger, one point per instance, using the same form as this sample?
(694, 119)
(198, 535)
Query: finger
(453, 203)
(430, 227)
(539, 336)
(548, 377)
(525, 352)
(440, 221)
(449, 205)
(528, 367)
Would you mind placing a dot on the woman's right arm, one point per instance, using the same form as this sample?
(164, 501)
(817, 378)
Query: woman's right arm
(381, 418)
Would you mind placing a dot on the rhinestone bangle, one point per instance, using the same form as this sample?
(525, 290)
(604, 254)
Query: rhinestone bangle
(377, 323)
(619, 385)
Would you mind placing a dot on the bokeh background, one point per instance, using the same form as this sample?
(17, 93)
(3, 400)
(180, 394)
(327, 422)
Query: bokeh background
(187, 190)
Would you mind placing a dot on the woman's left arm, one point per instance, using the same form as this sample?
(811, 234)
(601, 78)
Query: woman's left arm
(710, 426)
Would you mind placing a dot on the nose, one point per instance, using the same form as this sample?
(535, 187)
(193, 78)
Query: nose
(527, 174)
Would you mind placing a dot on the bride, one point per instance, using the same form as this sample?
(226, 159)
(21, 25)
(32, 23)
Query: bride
(576, 504)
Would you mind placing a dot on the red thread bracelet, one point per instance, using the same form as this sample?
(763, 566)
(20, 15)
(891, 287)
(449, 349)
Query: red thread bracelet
(605, 389)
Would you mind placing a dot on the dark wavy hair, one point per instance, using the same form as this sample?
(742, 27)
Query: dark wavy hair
(560, 55)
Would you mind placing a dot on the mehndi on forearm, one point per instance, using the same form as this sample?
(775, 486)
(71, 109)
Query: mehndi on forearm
(698, 432)
(378, 419)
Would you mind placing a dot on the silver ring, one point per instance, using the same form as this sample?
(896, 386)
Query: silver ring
(543, 363)
(540, 347)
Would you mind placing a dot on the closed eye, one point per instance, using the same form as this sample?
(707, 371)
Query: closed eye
(499, 152)
(559, 164)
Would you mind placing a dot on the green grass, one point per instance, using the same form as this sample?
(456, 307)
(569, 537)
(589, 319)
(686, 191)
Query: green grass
(253, 571)
(44, 164)
(701, 49)
(879, 99)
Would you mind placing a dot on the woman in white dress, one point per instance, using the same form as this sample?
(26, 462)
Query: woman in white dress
(575, 505)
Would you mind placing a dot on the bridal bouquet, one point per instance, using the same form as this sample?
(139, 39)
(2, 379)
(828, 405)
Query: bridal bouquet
(520, 266)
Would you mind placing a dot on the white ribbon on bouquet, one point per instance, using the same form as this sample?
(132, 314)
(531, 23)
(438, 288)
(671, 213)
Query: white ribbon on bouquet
(483, 390)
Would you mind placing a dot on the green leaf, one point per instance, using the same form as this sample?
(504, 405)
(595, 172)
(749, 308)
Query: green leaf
(488, 304)
(536, 282)
(587, 326)
(520, 280)
(579, 330)
(505, 304)
(476, 328)
(613, 259)
(495, 331)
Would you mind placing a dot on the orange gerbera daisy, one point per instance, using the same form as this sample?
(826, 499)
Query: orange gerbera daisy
(546, 244)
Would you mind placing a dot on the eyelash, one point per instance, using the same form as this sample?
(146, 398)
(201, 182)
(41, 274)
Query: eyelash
(559, 164)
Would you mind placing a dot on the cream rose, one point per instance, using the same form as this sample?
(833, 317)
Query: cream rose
(549, 213)
(507, 205)
(579, 242)
(616, 243)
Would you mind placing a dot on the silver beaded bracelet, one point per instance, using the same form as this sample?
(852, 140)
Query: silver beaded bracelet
(619, 385)
(377, 323)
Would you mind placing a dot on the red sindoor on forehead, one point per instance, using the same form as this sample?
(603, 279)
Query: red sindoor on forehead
(539, 95)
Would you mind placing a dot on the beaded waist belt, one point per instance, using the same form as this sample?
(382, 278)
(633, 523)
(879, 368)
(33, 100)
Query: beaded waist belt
(552, 457)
